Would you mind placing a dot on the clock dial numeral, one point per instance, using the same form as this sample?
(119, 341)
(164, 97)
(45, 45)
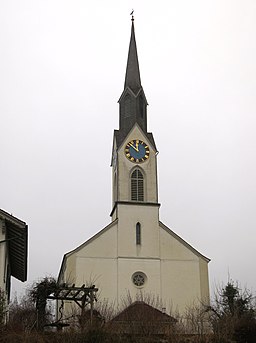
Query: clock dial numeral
(137, 151)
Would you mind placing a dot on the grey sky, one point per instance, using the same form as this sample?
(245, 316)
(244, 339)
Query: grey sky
(62, 67)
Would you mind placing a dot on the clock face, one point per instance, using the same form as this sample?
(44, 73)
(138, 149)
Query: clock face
(137, 151)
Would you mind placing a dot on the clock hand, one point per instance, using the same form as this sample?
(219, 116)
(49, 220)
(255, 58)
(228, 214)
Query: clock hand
(135, 148)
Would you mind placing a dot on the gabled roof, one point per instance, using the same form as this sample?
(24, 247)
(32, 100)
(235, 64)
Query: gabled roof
(142, 320)
(17, 244)
(172, 233)
(139, 310)
(120, 136)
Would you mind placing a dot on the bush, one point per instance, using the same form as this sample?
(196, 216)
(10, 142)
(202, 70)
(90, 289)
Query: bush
(233, 315)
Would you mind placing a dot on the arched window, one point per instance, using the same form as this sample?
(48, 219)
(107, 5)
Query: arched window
(137, 186)
(127, 106)
(138, 234)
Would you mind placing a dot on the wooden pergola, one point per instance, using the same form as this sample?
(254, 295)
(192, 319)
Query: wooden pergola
(82, 296)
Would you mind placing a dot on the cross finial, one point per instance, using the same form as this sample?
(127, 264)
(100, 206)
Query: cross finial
(132, 15)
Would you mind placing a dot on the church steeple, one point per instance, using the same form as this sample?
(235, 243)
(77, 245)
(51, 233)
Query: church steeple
(132, 76)
(133, 103)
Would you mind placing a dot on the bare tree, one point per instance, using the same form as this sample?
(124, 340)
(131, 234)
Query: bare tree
(3, 308)
(22, 314)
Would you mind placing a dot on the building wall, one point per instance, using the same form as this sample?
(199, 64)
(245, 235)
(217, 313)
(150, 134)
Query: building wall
(3, 257)
(69, 270)
(149, 266)
(175, 273)
(184, 277)
(147, 216)
(96, 263)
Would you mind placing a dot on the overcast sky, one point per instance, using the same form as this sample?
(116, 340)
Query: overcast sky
(62, 68)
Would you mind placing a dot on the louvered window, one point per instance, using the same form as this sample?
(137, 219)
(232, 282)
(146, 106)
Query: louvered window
(137, 186)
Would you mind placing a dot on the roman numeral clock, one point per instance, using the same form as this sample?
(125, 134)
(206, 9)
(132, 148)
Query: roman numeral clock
(136, 151)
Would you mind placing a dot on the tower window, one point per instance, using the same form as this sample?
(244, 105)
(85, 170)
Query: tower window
(138, 234)
(127, 106)
(137, 186)
(141, 106)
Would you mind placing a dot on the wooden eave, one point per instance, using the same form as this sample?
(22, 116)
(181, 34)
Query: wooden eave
(17, 245)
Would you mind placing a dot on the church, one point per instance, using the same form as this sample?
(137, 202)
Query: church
(136, 253)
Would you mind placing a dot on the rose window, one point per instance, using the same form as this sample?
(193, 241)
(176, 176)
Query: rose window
(139, 279)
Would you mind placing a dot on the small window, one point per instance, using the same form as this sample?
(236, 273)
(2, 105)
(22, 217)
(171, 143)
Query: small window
(127, 106)
(137, 186)
(138, 234)
(141, 106)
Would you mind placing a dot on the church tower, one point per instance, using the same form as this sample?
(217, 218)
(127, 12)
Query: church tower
(137, 253)
(134, 149)
(134, 163)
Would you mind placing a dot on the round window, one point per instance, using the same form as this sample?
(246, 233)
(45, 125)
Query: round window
(139, 279)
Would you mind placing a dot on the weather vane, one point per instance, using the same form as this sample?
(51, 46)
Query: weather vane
(132, 15)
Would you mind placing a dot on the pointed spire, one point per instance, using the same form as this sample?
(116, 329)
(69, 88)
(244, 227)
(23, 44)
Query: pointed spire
(132, 103)
(132, 76)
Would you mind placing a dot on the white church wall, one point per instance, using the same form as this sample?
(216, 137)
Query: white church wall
(175, 272)
(172, 248)
(101, 272)
(128, 216)
(126, 269)
(68, 272)
(101, 245)
(181, 265)
(180, 283)
(204, 281)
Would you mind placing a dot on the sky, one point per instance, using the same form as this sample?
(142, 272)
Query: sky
(62, 67)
